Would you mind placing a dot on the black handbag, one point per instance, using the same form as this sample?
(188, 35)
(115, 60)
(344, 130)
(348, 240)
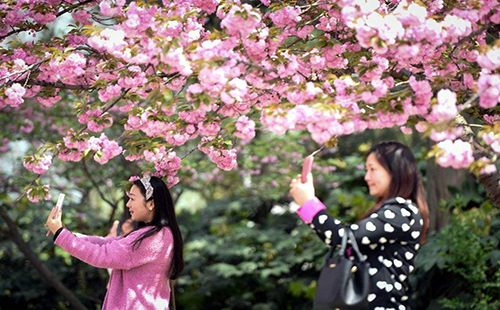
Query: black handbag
(343, 283)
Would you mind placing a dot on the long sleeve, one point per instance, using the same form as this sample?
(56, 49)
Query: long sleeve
(118, 253)
(96, 239)
(396, 220)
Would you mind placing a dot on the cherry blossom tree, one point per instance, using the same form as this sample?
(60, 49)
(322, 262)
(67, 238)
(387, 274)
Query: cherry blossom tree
(155, 81)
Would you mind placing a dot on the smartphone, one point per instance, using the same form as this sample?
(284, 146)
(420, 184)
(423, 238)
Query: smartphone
(59, 204)
(308, 164)
(307, 167)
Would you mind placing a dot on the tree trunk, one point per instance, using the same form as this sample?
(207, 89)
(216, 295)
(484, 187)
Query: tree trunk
(438, 180)
(47, 275)
(491, 183)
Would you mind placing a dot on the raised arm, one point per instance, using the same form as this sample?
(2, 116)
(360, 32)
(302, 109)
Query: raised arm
(118, 253)
(96, 239)
(396, 220)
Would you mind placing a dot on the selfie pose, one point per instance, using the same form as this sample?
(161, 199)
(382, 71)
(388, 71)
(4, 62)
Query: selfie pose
(144, 261)
(390, 232)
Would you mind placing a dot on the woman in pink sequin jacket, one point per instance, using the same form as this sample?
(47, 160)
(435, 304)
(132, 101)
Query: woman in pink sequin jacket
(145, 261)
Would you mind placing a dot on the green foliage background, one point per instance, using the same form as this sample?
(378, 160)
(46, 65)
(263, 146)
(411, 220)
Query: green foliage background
(245, 248)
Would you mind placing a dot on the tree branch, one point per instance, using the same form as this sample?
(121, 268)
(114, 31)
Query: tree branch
(178, 196)
(59, 85)
(116, 101)
(94, 183)
(467, 38)
(46, 274)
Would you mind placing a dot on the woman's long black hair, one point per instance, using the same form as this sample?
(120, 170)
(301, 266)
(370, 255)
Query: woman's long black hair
(406, 181)
(164, 216)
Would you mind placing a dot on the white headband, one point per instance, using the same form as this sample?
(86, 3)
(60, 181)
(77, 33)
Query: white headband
(146, 181)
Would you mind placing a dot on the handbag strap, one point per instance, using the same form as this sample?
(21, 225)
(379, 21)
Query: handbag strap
(354, 245)
(348, 235)
(343, 246)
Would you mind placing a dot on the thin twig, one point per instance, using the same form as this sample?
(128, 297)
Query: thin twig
(467, 38)
(87, 173)
(469, 102)
(188, 153)
(25, 70)
(60, 85)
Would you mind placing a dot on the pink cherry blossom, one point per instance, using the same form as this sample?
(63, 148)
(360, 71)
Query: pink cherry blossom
(45, 194)
(450, 134)
(406, 130)
(134, 178)
(446, 108)
(15, 95)
(489, 90)
(38, 164)
(286, 16)
(491, 119)
(490, 60)
(234, 22)
(489, 168)
(109, 93)
(457, 154)
(104, 148)
(48, 101)
(245, 128)
(493, 140)
(209, 129)
(27, 127)
(95, 120)
(4, 145)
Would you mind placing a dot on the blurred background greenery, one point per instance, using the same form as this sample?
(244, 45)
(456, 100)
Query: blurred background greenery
(245, 248)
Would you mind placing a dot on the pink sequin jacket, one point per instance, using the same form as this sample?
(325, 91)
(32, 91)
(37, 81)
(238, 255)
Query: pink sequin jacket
(139, 278)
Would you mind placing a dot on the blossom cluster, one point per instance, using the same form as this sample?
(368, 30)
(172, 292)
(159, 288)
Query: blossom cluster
(493, 140)
(38, 164)
(104, 148)
(456, 154)
(330, 69)
(166, 162)
(224, 158)
(45, 193)
(245, 128)
(95, 120)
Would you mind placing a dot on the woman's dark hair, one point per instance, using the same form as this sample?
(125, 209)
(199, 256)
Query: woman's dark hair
(164, 216)
(406, 181)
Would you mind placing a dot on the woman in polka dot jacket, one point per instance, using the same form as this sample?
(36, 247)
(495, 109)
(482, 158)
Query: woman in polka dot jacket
(390, 233)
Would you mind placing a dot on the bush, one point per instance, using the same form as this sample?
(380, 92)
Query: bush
(458, 268)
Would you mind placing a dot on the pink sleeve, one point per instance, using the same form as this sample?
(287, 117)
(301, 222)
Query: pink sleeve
(310, 209)
(96, 239)
(118, 253)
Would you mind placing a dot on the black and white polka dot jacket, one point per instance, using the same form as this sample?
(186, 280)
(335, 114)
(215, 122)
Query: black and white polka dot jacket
(389, 238)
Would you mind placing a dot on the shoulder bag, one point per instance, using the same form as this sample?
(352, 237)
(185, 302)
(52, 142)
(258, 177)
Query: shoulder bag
(344, 284)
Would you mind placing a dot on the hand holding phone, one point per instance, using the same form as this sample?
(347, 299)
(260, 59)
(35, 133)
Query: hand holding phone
(59, 205)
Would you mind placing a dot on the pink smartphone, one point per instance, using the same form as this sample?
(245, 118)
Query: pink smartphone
(307, 167)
